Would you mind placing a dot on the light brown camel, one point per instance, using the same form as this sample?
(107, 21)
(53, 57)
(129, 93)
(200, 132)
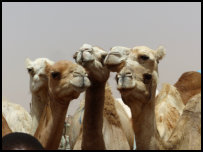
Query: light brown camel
(169, 105)
(65, 82)
(38, 88)
(101, 128)
(137, 85)
(188, 129)
(168, 109)
(5, 128)
(144, 117)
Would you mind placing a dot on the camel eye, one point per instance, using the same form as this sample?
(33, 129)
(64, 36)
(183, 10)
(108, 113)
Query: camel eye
(147, 77)
(29, 70)
(55, 75)
(144, 57)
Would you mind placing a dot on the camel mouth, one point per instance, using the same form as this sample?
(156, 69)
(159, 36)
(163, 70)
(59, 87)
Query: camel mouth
(125, 90)
(81, 88)
(80, 83)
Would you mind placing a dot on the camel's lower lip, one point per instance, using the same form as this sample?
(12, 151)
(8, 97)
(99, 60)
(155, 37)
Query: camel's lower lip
(80, 89)
(125, 89)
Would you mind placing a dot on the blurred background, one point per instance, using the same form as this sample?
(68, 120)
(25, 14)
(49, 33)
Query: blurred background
(57, 30)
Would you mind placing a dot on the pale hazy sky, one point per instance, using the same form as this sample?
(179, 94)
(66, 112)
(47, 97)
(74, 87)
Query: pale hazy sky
(57, 30)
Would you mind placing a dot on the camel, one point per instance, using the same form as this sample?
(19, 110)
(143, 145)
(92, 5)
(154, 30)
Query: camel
(105, 124)
(137, 85)
(18, 119)
(188, 129)
(5, 128)
(38, 88)
(172, 99)
(169, 105)
(66, 81)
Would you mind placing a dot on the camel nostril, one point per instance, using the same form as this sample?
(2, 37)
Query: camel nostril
(128, 74)
(147, 78)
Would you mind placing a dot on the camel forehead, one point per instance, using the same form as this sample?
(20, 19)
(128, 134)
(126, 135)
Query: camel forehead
(62, 66)
(140, 50)
(39, 64)
(135, 67)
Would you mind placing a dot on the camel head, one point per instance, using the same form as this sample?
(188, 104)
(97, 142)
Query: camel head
(92, 59)
(66, 80)
(138, 77)
(136, 81)
(116, 58)
(38, 76)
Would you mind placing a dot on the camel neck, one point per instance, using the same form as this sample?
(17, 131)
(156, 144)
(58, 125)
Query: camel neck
(93, 117)
(51, 124)
(38, 103)
(144, 126)
(144, 122)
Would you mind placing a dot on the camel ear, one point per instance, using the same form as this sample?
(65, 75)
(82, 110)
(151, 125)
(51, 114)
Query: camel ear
(28, 63)
(160, 53)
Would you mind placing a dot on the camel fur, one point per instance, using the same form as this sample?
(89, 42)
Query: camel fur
(65, 82)
(101, 128)
(5, 128)
(137, 82)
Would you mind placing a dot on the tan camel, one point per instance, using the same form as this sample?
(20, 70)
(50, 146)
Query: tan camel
(102, 127)
(169, 105)
(65, 82)
(168, 109)
(144, 117)
(5, 128)
(137, 85)
(188, 129)
(38, 88)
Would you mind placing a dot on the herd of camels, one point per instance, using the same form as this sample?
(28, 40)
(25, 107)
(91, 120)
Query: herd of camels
(169, 120)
